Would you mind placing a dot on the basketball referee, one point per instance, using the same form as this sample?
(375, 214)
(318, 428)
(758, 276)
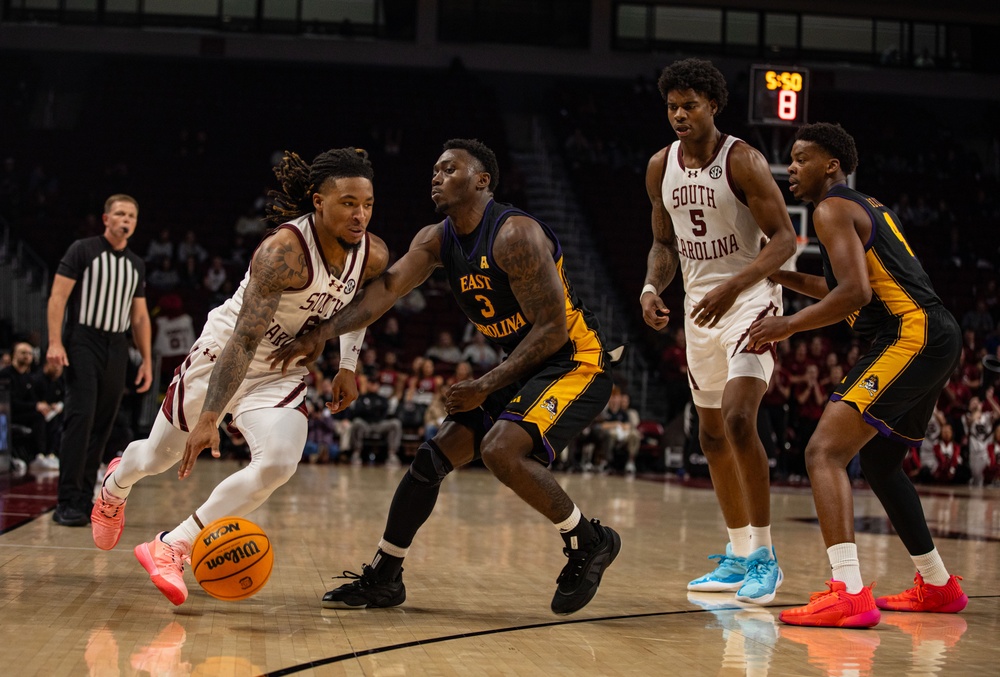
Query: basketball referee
(109, 299)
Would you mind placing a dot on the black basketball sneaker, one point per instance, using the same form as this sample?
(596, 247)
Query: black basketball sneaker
(366, 591)
(578, 581)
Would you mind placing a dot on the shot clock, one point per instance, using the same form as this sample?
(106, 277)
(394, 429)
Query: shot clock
(778, 95)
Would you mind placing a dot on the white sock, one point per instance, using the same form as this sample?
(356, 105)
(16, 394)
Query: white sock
(112, 492)
(845, 565)
(390, 549)
(932, 568)
(760, 537)
(186, 531)
(568, 524)
(740, 538)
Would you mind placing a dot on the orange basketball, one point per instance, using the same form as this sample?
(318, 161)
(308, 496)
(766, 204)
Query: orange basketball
(232, 558)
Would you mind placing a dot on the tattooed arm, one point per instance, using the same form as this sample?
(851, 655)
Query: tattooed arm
(524, 252)
(278, 264)
(662, 260)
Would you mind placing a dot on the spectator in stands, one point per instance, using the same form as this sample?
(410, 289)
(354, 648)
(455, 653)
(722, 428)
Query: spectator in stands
(621, 423)
(251, 224)
(190, 275)
(979, 423)
(796, 365)
(370, 416)
(445, 350)
(160, 248)
(392, 382)
(164, 278)
(215, 275)
(950, 466)
(480, 354)
(978, 320)
(388, 336)
(190, 246)
(239, 253)
(27, 408)
(412, 303)
(810, 398)
(369, 367)
(173, 337)
(991, 474)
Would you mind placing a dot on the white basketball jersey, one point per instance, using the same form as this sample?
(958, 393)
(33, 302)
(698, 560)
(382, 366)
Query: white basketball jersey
(299, 310)
(716, 234)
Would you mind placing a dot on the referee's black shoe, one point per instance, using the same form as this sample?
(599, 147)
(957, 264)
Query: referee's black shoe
(69, 516)
(366, 591)
(577, 583)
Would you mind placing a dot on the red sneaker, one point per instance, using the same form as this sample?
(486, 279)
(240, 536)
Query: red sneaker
(107, 518)
(942, 599)
(836, 608)
(165, 564)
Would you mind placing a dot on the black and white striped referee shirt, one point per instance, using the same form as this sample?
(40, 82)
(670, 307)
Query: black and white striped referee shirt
(106, 283)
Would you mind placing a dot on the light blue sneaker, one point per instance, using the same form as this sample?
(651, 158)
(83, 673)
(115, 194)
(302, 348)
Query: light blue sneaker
(727, 577)
(763, 577)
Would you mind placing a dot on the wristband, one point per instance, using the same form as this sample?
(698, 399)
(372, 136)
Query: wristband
(648, 288)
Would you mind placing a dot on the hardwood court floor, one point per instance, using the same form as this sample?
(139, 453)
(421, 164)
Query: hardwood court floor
(479, 580)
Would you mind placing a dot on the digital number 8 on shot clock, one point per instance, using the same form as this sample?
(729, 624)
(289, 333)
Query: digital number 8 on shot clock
(778, 96)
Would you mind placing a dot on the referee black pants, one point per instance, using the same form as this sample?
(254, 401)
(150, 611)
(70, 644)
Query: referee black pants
(95, 383)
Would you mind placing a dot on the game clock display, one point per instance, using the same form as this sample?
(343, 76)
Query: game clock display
(778, 95)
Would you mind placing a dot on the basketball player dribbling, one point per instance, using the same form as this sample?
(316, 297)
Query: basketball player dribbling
(881, 408)
(303, 272)
(712, 198)
(505, 269)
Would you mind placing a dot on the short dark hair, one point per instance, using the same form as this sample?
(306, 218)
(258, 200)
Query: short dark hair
(479, 150)
(698, 74)
(300, 181)
(835, 140)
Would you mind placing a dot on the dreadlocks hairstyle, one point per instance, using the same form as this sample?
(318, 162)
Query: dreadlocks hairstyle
(697, 74)
(299, 180)
(479, 150)
(835, 140)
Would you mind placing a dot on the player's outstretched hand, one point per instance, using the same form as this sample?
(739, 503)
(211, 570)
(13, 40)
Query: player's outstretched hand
(307, 348)
(205, 435)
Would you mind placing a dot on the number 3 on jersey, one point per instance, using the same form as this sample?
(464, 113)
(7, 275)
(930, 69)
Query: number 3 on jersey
(698, 219)
(488, 310)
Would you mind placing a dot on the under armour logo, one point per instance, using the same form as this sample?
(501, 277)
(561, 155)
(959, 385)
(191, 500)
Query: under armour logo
(210, 354)
(692, 173)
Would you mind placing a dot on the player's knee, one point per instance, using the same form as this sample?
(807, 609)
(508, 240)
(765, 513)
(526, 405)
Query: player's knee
(430, 465)
(741, 427)
(711, 444)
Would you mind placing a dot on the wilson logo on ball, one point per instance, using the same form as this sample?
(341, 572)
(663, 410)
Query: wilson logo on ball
(233, 555)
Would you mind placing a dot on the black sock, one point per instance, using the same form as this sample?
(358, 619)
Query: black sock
(386, 566)
(584, 534)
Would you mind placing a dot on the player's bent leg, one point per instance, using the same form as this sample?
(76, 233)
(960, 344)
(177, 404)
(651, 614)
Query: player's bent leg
(380, 585)
(276, 438)
(508, 452)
